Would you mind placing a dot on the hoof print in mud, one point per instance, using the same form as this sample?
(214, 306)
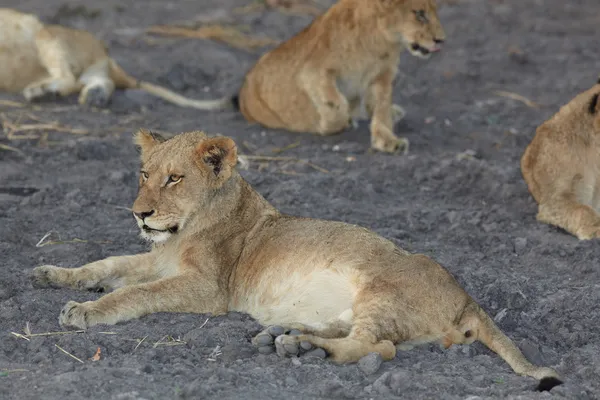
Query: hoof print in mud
(73, 314)
(42, 276)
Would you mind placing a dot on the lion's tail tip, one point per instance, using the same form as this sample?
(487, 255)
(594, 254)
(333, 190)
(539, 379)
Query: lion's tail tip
(547, 383)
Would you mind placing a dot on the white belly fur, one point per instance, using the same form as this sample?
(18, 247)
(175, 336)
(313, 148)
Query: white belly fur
(315, 298)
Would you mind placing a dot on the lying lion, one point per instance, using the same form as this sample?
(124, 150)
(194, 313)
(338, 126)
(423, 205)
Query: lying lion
(561, 166)
(219, 246)
(48, 60)
(315, 81)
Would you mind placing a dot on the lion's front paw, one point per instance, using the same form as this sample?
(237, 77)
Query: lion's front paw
(382, 139)
(76, 315)
(39, 92)
(45, 276)
(94, 96)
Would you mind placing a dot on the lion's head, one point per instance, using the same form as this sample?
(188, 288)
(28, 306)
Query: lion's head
(178, 179)
(414, 24)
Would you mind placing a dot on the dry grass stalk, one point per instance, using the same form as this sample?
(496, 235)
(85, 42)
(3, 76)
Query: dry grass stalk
(291, 7)
(169, 340)
(517, 97)
(69, 354)
(9, 103)
(10, 148)
(279, 150)
(214, 353)
(228, 35)
(15, 130)
(140, 342)
(288, 159)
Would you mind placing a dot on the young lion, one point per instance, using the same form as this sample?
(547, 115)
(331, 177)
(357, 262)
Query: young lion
(47, 60)
(219, 246)
(315, 81)
(561, 166)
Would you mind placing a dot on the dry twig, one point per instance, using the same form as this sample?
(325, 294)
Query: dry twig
(69, 354)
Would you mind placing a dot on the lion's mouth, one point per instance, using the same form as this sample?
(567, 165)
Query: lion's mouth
(416, 47)
(172, 229)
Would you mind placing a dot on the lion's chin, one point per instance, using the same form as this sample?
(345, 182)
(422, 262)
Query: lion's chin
(156, 235)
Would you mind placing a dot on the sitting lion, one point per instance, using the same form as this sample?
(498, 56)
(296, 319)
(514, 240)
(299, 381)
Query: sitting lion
(47, 60)
(219, 246)
(315, 81)
(561, 166)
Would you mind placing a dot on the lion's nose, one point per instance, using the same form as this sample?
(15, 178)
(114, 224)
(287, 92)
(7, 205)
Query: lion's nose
(143, 215)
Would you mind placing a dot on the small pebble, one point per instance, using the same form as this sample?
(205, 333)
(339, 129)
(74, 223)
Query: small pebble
(318, 353)
(520, 245)
(370, 363)
(295, 332)
(266, 350)
(276, 330)
(264, 339)
(305, 345)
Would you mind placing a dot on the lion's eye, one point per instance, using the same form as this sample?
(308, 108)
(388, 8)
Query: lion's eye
(173, 179)
(144, 175)
(421, 16)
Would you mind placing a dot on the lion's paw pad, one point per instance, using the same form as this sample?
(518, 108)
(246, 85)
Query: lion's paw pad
(73, 314)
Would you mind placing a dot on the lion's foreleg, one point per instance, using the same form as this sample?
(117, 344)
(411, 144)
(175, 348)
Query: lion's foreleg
(379, 108)
(54, 57)
(331, 105)
(182, 293)
(107, 274)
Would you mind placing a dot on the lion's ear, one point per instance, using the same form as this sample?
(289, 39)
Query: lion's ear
(218, 153)
(594, 105)
(146, 140)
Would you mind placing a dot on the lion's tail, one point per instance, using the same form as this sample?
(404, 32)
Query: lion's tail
(125, 81)
(482, 328)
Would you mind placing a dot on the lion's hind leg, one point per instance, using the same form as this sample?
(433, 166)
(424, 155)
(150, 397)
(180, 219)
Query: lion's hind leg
(98, 87)
(54, 57)
(565, 211)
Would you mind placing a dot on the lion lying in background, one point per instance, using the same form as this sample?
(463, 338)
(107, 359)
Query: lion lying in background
(219, 246)
(47, 60)
(561, 166)
(315, 81)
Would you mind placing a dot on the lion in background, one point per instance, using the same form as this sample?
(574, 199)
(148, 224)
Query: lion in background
(219, 246)
(48, 60)
(315, 82)
(561, 166)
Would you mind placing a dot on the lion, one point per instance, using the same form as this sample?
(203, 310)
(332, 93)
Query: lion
(316, 81)
(219, 246)
(44, 61)
(561, 167)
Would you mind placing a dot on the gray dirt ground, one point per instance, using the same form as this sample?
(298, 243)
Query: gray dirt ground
(472, 214)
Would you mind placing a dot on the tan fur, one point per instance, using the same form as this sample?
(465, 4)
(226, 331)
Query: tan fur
(561, 166)
(219, 246)
(315, 81)
(42, 60)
